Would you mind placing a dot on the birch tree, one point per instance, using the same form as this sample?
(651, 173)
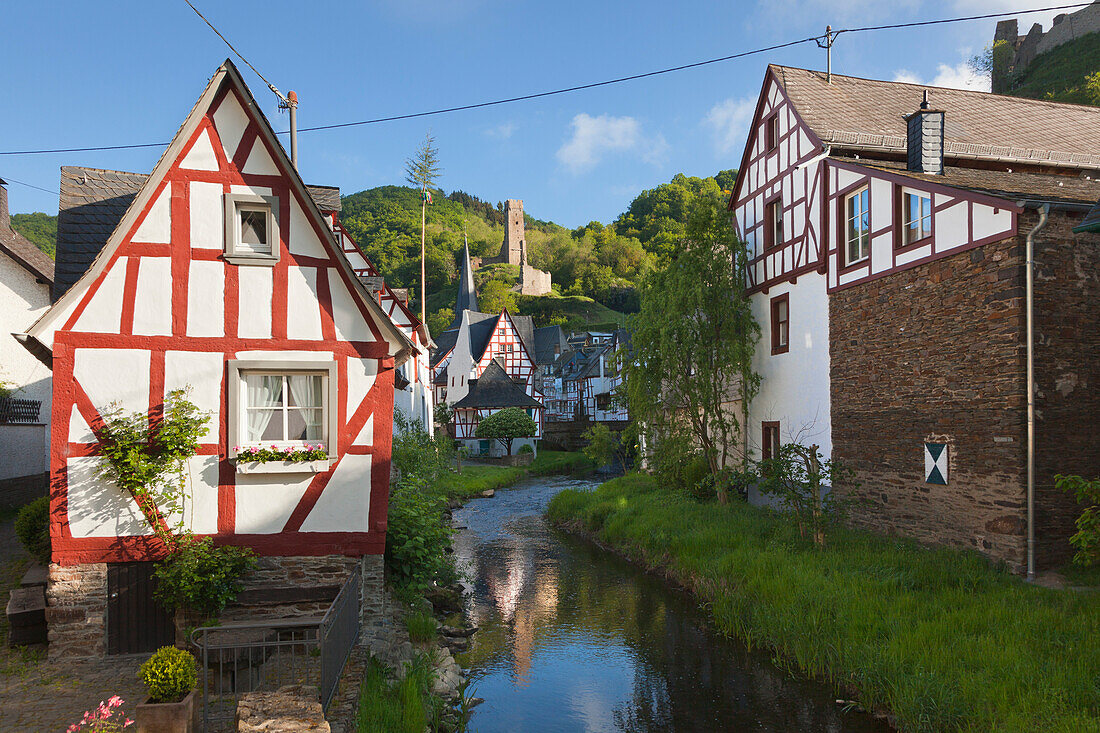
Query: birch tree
(693, 341)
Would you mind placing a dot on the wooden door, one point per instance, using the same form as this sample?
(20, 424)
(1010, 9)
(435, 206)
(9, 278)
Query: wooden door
(135, 621)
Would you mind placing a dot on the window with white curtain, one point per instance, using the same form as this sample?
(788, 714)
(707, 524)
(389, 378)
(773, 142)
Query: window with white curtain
(285, 404)
(284, 408)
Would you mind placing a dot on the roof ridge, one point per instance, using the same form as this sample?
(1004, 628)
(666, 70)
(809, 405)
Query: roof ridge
(1028, 100)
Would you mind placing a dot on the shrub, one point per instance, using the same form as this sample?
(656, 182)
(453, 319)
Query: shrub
(417, 537)
(802, 482)
(1087, 538)
(525, 448)
(32, 527)
(201, 576)
(169, 675)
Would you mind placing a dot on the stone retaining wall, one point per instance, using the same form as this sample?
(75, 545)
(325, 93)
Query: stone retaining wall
(76, 610)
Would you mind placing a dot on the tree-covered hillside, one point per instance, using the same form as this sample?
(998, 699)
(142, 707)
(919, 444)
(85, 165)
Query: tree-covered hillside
(590, 263)
(39, 228)
(1068, 73)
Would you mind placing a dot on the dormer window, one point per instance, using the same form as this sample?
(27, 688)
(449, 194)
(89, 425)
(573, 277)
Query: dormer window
(251, 229)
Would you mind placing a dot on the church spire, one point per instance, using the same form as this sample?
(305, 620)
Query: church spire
(467, 294)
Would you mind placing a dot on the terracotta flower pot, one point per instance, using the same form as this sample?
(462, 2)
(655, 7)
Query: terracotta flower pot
(166, 717)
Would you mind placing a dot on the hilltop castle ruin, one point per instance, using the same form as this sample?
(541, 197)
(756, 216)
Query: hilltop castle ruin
(514, 252)
(1066, 27)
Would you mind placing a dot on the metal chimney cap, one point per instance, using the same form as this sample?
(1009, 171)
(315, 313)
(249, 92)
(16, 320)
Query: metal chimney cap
(924, 103)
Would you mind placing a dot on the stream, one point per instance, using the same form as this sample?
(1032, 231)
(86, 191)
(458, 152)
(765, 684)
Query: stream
(574, 638)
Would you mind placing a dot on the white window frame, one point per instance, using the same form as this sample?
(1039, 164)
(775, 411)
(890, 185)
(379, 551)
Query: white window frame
(863, 236)
(922, 233)
(238, 396)
(234, 250)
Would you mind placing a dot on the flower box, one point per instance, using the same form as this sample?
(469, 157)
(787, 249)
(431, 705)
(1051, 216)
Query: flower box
(245, 466)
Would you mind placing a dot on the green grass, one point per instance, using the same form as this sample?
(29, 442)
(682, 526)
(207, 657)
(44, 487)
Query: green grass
(394, 707)
(473, 480)
(1059, 74)
(420, 625)
(580, 312)
(937, 637)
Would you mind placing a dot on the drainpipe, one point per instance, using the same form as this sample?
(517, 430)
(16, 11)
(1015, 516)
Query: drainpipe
(1044, 209)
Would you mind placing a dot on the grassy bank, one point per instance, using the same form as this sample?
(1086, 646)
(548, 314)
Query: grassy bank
(937, 637)
(475, 479)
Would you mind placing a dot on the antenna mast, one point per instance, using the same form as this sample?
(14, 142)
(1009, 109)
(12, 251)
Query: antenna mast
(827, 44)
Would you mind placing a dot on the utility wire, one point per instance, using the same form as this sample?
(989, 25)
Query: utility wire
(234, 50)
(9, 179)
(564, 90)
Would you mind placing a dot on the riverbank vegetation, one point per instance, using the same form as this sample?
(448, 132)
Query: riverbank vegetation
(937, 637)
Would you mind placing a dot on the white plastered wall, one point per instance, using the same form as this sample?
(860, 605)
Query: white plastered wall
(24, 449)
(794, 386)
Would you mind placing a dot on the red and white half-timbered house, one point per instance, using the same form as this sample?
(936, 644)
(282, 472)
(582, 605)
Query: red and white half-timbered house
(886, 224)
(222, 277)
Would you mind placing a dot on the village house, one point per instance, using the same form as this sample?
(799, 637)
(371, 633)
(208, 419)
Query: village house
(26, 276)
(888, 225)
(222, 273)
(471, 345)
(586, 379)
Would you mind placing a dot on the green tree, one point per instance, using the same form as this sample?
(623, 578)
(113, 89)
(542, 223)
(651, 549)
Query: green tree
(438, 321)
(496, 297)
(693, 340)
(506, 426)
(421, 171)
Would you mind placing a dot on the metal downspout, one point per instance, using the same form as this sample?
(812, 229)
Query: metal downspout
(1044, 210)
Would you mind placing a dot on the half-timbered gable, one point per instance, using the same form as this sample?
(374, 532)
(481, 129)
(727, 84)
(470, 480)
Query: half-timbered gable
(885, 224)
(223, 278)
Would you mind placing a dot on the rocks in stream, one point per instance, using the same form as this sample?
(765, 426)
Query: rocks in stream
(488, 493)
(445, 601)
(454, 631)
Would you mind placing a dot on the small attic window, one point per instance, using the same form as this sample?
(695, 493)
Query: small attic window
(251, 229)
(771, 134)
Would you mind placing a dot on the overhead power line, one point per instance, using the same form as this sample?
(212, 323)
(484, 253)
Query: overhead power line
(9, 179)
(566, 90)
(234, 50)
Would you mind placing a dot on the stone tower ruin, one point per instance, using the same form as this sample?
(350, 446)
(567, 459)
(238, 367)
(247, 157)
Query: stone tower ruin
(514, 252)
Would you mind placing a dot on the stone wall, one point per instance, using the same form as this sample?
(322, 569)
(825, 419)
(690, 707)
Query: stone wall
(1067, 370)
(1065, 28)
(281, 587)
(534, 281)
(76, 610)
(936, 353)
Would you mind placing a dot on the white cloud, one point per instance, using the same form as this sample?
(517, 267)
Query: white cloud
(959, 76)
(503, 131)
(729, 120)
(593, 137)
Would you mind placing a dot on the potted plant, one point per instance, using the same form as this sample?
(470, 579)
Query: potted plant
(169, 676)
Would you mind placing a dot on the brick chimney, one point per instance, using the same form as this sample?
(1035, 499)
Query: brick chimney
(5, 217)
(924, 139)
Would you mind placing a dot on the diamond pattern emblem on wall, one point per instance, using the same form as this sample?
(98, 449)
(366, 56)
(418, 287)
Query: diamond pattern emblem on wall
(935, 463)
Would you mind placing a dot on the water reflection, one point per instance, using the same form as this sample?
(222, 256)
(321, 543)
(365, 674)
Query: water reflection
(574, 639)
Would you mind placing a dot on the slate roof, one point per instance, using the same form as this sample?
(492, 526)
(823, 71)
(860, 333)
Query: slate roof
(865, 114)
(495, 389)
(93, 202)
(466, 300)
(22, 251)
(1001, 183)
(546, 338)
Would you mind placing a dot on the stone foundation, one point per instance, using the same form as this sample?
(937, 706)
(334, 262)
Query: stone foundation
(280, 587)
(76, 610)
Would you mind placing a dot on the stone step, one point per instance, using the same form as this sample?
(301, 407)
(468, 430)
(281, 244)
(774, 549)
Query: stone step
(36, 575)
(27, 607)
(25, 635)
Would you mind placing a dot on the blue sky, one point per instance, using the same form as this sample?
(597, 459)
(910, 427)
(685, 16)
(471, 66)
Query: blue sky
(78, 74)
